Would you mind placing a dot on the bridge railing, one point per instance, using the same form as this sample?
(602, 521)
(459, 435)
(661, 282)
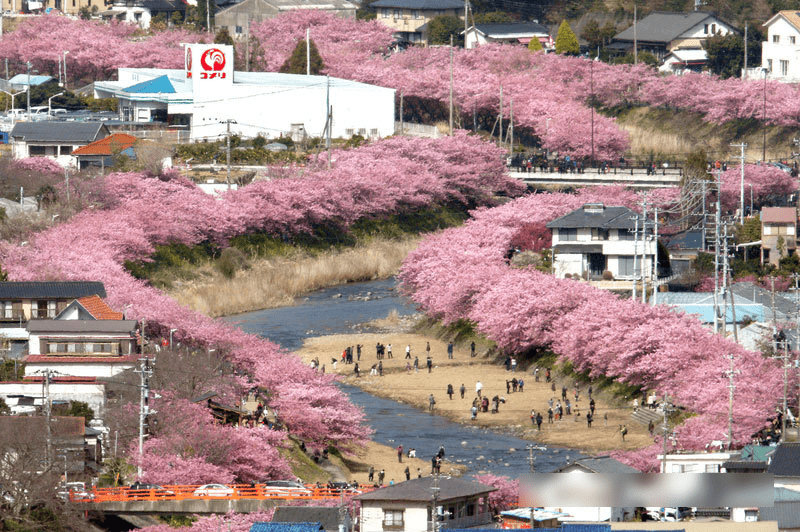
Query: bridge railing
(233, 491)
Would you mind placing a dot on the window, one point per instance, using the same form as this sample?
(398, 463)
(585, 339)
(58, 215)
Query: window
(713, 29)
(416, 14)
(568, 235)
(784, 67)
(625, 234)
(396, 13)
(769, 65)
(705, 29)
(384, 13)
(349, 132)
(238, 30)
(373, 132)
(8, 309)
(776, 38)
(792, 39)
(712, 468)
(362, 131)
(625, 268)
(599, 234)
(393, 519)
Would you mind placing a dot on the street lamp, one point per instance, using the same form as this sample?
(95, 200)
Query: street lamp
(50, 103)
(13, 94)
(764, 119)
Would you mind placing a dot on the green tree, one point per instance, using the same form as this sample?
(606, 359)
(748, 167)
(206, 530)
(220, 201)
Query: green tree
(566, 40)
(644, 57)
(535, 45)
(365, 10)
(494, 17)
(296, 63)
(198, 14)
(223, 37)
(11, 370)
(116, 472)
(442, 27)
(591, 34)
(75, 409)
(726, 53)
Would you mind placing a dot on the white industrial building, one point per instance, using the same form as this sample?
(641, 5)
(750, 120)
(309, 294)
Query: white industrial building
(207, 97)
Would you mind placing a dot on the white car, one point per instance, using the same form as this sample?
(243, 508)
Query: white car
(285, 488)
(214, 490)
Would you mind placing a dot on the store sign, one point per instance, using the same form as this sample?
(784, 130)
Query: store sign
(212, 64)
(208, 62)
(188, 62)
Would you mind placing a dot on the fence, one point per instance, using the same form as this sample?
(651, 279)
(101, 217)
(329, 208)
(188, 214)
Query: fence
(233, 492)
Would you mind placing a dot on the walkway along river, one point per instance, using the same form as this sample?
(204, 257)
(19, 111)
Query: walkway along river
(343, 309)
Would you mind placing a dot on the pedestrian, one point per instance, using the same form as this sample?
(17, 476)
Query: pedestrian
(431, 402)
(563, 393)
(358, 352)
(433, 465)
(428, 348)
(478, 388)
(623, 430)
(568, 406)
(514, 384)
(547, 375)
(520, 385)
(408, 473)
(533, 417)
(408, 366)
(589, 419)
(450, 391)
(450, 350)
(550, 415)
(635, 405)
(462, 390)
(485, 404)
(472, 349)
(651, 427)
(590, 391)
(371, 475)
(408, 351)
(381, 476)
(416, 364)
(440, 452)
(591, 406)
(513, 364)
(507, 362)
(356, 370)
(553, 387)
(380, 368)
(539, 421)
(429, 363)
(400, 453)
(389, 350)
(419, 473)
(474, 412)
(508, 386)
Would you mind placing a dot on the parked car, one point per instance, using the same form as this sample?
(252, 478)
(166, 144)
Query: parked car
(343, 487)
(214, 490)
(74, 491)
(143, 490)
(285, 488)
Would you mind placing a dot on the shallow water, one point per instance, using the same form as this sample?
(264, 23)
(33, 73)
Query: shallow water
(343, 309)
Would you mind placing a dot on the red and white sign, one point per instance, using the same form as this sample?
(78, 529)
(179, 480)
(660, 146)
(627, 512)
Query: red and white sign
(207, 62)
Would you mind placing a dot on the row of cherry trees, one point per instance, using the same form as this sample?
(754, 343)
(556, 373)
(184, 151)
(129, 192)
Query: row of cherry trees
(596, 331)
(132, 214)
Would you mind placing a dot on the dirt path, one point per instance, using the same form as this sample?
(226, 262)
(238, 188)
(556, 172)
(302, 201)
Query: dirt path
(414, 387)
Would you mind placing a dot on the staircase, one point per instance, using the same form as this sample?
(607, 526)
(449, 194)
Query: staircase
(644, 416)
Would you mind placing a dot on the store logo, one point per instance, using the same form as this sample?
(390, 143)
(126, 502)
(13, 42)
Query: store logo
(213, 63)
(188, 62)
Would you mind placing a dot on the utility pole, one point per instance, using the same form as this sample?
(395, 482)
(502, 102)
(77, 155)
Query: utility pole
(401, 112)
(328, 118)
(308, 51)
(716, 261)
(435, 500)
(731, 373)
(655, 257)
(145, 372)
(635, 47)
(511, 126)
(228, 122)
(451, 84)
(48, 413)
(744, 70)
(644, 250)
(501, 115)
(742, 146)
(635, 253)
(665, 429)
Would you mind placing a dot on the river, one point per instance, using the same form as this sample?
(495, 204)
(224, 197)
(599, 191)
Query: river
(345, 309)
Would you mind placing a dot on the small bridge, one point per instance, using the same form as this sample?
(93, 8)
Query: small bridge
(633, 177)
(241, 498)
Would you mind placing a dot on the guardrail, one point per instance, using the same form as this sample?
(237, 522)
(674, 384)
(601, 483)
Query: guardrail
(187, 492)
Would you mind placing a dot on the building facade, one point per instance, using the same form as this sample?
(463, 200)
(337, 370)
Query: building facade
(780, 53)
(408, 19)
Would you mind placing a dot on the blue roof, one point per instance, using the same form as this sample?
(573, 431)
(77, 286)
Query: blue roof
(286, 527)
(161, 84)
(22, 79)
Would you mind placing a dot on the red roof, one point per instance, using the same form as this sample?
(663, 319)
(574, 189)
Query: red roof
(68, 359)
(98, 308)
(108, 146)
(780, 215)
(65, 378)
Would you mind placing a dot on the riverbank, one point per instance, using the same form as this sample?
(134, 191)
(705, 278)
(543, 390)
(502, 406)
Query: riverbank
(415, 387)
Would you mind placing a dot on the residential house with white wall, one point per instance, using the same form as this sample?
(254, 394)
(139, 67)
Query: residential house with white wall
(780, 53)
(409, 19)
(597, 238)
(52, 139)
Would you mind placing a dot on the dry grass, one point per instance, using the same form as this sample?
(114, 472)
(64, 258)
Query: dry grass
(276, 282)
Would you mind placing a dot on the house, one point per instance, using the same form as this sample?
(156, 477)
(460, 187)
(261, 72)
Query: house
(101, 153)
(328, 517)
(22, 301)
(408, 19)
(210, 99)
(780, 54)
(27, 397)
(224, 414)
(510, 32)
(20, 82)
(696, 462)
(410, 506)
(56, 140)
(785, 510)
(596, 238)
(69, 7)
(595, 464)
(683, 60)
(141, 12)
(663, 32)
(287, 526)
(785, 465)
(238, 17)
(521, 518)
(778, 233)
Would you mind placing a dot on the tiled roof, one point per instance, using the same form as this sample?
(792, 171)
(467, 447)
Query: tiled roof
(63, 378)
(603, 464)
(50, 289)
(792, 16)
(99, 309)
(786, 460)
(512, 28)
(328, 517)
(600, 216)
(66, 359)
(419, 490)
(110, 145)
(420, 4)
(780, 215)
(22, 79)
(60, 426)
(787, 514)
(82, 326)
(664, 27)
(68, 132)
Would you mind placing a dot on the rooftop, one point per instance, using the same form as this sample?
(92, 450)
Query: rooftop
(50, 289)
(596, 215)
(419, 490)
(665, 27)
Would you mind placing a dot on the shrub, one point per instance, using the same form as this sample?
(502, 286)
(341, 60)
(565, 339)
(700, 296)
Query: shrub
(230, 261)
(608, 276)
